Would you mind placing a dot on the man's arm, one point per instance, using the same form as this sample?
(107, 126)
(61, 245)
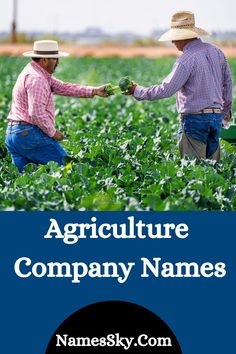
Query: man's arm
(227, 93)
(75, 90)
(169, 86)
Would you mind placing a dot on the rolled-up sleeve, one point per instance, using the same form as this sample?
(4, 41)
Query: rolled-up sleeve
(169, 86)
(62, 88)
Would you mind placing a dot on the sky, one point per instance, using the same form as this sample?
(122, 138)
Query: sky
(112, 16)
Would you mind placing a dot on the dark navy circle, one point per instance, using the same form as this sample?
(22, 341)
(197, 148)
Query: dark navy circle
(113, 327)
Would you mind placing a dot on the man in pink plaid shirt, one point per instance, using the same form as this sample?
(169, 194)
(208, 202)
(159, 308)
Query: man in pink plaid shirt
(31, 134)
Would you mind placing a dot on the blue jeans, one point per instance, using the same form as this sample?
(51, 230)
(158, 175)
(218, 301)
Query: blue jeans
(27, 143)
(203, 127)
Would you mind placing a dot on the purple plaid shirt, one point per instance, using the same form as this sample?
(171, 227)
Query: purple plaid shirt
(200, 78)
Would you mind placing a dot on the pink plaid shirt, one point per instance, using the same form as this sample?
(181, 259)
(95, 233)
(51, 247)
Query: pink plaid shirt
(32, 98)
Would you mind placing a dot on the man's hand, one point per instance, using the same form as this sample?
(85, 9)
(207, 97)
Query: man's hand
(58, 136)
(227, 118)
(226, 121)
(100, 91)
(131, 89)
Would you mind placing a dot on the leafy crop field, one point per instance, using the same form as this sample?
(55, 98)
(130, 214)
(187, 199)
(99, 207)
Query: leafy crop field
(124, 152)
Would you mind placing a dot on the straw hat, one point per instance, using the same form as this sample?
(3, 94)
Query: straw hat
(182, 27)
(45, 49)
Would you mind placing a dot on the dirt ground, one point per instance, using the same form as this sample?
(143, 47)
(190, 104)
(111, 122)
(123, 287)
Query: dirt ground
(108, 51)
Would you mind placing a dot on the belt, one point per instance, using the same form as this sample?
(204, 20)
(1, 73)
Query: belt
(205, 111)
(17, 123)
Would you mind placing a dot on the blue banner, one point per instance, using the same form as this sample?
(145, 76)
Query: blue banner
(178, 265)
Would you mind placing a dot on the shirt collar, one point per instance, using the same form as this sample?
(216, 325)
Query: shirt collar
(39, 68)
(192, 44)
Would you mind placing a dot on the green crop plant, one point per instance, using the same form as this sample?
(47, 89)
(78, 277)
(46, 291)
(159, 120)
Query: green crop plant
(125, 83)
(123, 153)
(112, 89)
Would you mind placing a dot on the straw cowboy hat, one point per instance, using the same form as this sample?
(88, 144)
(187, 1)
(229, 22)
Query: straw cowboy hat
(45, 49)
(182, 27)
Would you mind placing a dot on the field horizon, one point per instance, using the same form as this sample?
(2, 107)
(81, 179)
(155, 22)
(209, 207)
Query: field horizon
(106, 51)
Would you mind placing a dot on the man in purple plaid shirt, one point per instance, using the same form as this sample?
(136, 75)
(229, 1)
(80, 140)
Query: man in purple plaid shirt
(202, 82)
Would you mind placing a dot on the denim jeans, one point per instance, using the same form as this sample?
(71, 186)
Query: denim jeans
(27, 143)
(203, 127)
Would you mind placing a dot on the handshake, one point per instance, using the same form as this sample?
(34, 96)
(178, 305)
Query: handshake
(125, 86)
